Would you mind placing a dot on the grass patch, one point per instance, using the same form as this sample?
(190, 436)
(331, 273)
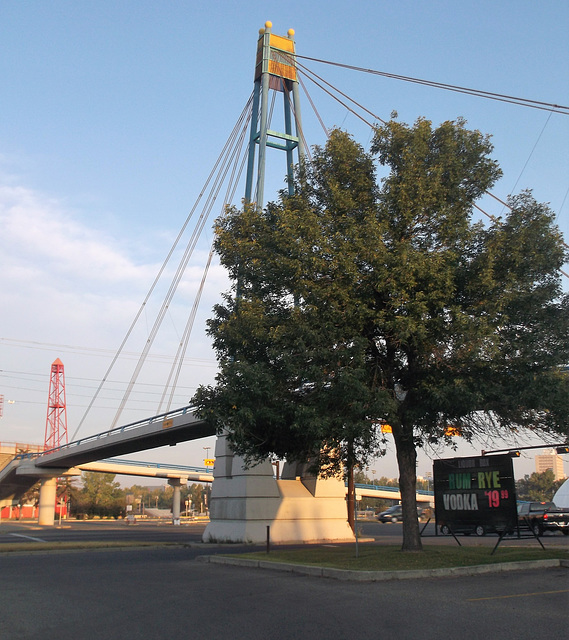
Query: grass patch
(386, 558)
(12, 547)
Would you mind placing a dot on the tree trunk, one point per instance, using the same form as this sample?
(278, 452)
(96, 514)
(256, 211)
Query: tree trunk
(351, 498)
(407, 461)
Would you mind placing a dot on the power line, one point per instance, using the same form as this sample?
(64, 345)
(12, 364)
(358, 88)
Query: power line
(217, 174)
(308, 73)
(128, 355)
(525, 102)
(531, 153)
(20, 376)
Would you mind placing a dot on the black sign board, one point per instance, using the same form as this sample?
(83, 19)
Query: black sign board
(475, 494)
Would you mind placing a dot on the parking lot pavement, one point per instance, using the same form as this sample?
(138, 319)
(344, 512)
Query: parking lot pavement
(102, 531)
(160, 530)
(165, 593)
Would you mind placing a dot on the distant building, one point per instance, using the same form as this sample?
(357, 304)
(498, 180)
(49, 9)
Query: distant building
(550, 460)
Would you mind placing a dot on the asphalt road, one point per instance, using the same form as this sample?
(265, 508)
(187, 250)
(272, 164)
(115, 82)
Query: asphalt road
(101, 531)
(144, 531)
(392, 533)
(160, 593)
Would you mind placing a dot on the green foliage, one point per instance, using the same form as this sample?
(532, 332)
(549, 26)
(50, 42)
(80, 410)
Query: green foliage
(381, 504)
(199, 495)
(162, 497)
(292, 344)
(539, 487)
(32, 495)
(356, 302)
(100, 495)
(148, 497)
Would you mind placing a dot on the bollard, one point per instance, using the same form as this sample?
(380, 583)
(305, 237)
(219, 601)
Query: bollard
(268, 538)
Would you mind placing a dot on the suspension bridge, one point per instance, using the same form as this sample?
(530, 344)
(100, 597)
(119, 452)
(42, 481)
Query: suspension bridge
(279, 72)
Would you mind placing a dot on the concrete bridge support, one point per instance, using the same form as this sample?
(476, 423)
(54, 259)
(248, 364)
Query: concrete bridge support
(176, 483)
(48, 491)
(249, 504)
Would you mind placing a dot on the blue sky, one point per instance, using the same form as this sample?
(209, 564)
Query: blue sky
(113, 114)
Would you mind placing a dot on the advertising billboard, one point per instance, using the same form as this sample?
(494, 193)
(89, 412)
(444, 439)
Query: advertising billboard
(475, 494)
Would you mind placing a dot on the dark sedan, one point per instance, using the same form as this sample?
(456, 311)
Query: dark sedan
(394, 514)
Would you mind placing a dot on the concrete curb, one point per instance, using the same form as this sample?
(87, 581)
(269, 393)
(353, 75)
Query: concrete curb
(381, 576)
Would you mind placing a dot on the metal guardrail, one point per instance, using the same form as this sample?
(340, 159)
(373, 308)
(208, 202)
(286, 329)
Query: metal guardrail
(110, 432)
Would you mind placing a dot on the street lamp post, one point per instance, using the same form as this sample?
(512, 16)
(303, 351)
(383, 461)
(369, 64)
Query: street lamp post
(206, 449)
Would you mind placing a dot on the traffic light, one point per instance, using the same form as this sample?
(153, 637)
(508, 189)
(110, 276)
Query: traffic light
(514, 454)
(564, 449)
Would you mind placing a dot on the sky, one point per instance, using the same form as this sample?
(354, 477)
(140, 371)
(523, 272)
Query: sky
(113, 114)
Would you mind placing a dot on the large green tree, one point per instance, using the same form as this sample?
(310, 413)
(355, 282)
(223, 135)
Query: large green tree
(539, 487)
(100, 495)
(359, 301)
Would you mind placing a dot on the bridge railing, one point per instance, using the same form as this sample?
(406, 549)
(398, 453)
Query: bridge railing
(377, 487)
(105, 434)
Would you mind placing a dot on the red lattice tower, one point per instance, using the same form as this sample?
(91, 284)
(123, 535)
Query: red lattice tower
(56, 423)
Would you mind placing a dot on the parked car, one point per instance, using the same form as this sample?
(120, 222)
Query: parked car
(467, 529)
(395, 514)
(543, 516)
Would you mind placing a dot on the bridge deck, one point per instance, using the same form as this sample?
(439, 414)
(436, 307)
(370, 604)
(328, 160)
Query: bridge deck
(166, 429)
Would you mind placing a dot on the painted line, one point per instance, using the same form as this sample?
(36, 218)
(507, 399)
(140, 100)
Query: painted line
(518, 595)
(21, 535)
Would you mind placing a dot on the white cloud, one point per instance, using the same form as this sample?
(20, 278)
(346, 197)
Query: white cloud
(37, 232)
(60, 279)
(64, 280)
(67, 283)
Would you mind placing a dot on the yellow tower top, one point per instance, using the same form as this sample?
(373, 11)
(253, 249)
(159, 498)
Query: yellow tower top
(277, 59)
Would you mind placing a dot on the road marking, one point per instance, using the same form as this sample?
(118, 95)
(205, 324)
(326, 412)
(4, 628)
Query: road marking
(518, 595)
(21, 535)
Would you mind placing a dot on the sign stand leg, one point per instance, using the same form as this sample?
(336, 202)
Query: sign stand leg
(457, 540)
(425, 526)
(534, 534)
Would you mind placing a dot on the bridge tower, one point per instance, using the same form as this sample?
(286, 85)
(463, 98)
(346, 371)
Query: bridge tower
(56, 422)
(250, 504)
(275, 71)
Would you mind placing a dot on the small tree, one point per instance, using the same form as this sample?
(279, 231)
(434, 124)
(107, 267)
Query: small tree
(199, 495)
(356, 303)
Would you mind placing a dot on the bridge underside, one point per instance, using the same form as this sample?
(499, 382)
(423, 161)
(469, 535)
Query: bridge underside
(147, 470)
(14, 481)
